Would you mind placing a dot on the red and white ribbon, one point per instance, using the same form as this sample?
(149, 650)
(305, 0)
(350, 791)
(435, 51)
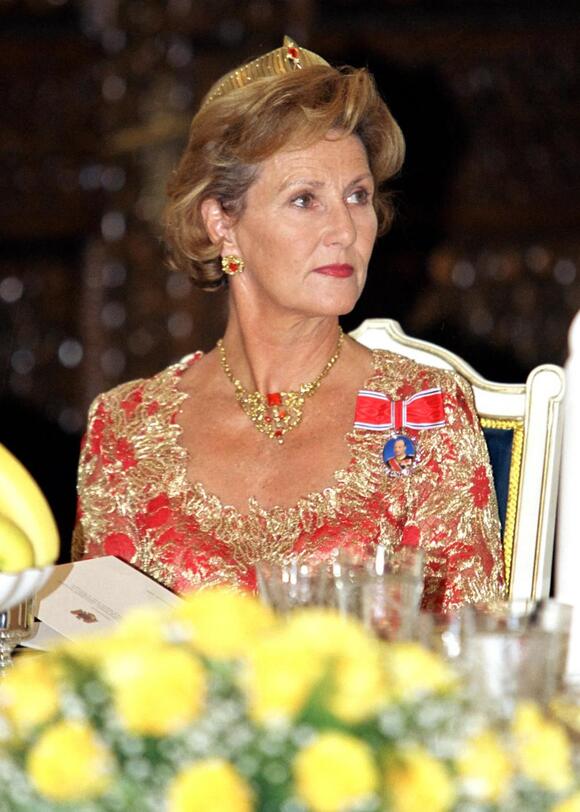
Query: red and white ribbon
(376, 412)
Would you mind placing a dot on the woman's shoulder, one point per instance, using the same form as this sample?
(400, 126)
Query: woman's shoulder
(143, 397)
(399, 373)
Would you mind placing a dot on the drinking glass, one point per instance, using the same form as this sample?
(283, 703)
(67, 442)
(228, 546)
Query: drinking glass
(392, 593)
(343, 582)
(448, 634)
(390, 605)
(518, 651)
(374, 588)
(291, 585)
(16, 625)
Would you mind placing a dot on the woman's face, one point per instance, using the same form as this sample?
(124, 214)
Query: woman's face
(308, 229)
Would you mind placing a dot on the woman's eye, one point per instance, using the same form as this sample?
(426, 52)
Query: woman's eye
(303, 201)
(359, 196)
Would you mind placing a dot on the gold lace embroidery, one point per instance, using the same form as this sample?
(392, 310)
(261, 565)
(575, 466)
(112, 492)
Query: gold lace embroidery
(113, 498)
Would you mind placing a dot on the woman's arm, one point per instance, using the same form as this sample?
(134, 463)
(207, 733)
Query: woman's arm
(104, 523)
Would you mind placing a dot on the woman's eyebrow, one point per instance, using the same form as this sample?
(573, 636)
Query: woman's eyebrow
(366, 176)
(287, 184)
(317, 184)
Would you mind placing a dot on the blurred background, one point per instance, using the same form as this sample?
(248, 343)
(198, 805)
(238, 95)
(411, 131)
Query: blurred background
(95, 102)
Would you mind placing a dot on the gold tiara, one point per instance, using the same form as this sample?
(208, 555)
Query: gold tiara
(288, 58)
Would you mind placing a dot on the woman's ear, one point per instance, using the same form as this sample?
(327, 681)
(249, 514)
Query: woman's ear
(218, 225)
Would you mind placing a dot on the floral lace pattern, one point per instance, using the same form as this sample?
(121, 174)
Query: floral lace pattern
(135, 500)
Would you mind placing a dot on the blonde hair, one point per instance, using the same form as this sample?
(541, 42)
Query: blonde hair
(231, 136)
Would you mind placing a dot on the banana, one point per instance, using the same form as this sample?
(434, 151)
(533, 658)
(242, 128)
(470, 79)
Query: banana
(22, 501)
(16, 550)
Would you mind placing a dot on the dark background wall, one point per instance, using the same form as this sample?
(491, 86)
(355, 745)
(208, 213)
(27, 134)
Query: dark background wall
(95, 102)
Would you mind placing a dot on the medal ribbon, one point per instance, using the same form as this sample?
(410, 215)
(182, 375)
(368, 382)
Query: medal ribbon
(376, 412)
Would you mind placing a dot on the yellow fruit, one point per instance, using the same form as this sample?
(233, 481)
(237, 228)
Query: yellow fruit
(22, 501)
(16, 550)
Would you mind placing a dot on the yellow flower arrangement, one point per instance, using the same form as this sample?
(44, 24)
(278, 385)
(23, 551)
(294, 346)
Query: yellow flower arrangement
(485, 766)
(418, 781)
(414, 670)
(29, 695)
(69, 763)
(543, 749)
(217, 705)
(334, 772)
(223, 623)
(279, 677)
(157, 690)
(211, 784)
(285, 666)
(569, 805)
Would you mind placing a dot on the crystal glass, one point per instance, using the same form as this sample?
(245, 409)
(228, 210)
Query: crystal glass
(16, 625)
(291, 585)
(390, 605)
(375, 588)
(344, 579)
(517, 651)
(391, 593)
(357, 584)
(448, 634)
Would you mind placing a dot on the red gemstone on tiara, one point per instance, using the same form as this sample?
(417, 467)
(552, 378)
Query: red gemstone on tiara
(274, 398)
(293, 52)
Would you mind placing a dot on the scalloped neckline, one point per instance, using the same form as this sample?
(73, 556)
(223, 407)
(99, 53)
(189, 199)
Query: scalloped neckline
(314, 499)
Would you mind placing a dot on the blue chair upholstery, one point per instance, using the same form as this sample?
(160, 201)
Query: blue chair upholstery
(499, 444)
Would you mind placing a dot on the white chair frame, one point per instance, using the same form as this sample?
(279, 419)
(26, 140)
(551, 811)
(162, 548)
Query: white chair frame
(534, 411)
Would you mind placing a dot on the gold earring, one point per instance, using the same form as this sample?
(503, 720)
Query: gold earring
(232, 265)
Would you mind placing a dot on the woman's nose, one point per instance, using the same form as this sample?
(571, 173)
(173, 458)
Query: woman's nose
(341, 228)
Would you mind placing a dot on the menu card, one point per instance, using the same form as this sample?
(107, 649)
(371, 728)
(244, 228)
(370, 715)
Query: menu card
(91, 596)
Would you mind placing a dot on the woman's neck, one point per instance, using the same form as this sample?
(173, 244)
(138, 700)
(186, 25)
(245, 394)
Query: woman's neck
(279, 355)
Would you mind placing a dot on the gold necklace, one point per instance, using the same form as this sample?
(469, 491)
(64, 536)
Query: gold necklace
(276, 413)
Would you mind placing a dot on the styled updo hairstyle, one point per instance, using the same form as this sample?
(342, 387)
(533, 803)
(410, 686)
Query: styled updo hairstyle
(233, 133)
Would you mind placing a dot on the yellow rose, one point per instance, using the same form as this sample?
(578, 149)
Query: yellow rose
(354, 657)
(543, 748)
(419, 782)
(145, 624)
(485, 767)
(284, 667)
(211, 785)
(157, 690)
(334, 772)
(413, 670)
(324, 629)
(29, 692)
(222, 623)
(69, 763)
(279, 676)
(571, 804)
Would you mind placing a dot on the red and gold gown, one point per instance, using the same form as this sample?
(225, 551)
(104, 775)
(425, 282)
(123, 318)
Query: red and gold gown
(136, 502)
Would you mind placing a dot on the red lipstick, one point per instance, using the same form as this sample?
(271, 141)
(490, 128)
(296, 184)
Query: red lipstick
(341, 271)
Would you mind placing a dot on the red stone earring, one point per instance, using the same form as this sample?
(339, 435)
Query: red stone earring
(232, 265)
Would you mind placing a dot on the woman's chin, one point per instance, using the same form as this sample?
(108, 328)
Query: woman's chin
(336, 303)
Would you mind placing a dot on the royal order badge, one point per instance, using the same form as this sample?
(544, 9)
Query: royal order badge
(376, 412)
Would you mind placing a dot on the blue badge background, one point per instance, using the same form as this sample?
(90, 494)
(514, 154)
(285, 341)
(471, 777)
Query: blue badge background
(389, 448)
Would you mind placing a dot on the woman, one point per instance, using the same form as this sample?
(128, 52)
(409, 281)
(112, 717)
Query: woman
(273, 444)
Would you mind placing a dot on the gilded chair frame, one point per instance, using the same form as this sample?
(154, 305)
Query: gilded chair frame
(533, 411)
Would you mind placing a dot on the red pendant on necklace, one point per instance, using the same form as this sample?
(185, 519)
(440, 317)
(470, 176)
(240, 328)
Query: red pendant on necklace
(274, 399)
